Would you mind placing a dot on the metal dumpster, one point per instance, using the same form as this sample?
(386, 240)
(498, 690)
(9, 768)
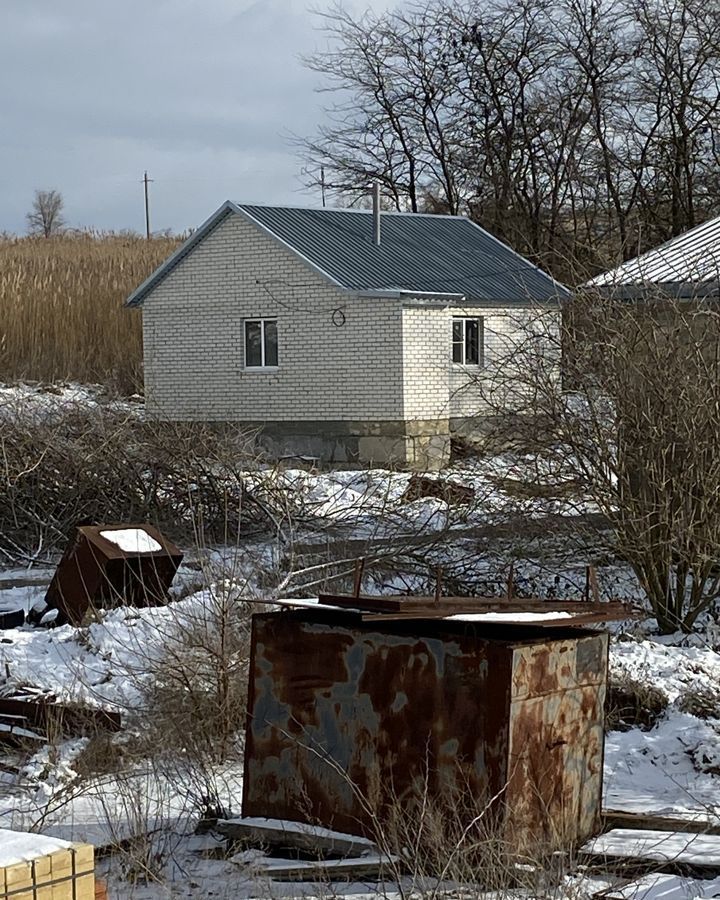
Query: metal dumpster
(350, 713)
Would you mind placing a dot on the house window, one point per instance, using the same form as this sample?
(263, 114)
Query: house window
(467, 341)
(261, 344)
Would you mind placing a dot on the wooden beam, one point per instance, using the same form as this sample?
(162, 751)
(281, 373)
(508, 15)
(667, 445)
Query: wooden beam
(301, 836)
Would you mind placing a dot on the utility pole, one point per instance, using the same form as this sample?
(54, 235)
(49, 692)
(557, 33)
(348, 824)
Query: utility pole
(146, 182)
(322, 184)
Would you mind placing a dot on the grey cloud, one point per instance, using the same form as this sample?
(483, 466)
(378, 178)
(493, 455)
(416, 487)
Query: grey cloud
(200, 92)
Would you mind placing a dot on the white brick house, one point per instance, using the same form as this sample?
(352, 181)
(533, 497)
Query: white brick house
(299, 322)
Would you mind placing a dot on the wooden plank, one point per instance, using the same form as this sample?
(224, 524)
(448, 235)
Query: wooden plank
(61, 875)
(302, 836)
(43, 875)
(326, 870)
(576, 615)
(664, 848)
(410, 603)
(618, 819)
(41, 710)
(664, 886)
(407, 607)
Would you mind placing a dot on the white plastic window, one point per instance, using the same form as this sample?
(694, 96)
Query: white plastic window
(468, 341)
(261, 344)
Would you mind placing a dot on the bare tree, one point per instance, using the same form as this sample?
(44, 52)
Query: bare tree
(634, 423)
(580, 131)
(46, 216)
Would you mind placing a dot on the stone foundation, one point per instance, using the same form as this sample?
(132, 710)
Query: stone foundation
(415, 444)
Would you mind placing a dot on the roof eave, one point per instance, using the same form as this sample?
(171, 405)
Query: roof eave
(138, 295)
(400, 294)
(677, 290)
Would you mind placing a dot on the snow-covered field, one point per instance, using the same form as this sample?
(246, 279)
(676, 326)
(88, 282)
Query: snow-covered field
(671, 768)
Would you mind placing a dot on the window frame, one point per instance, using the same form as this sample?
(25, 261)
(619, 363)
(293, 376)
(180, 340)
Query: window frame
(262, 321)
(480, 321)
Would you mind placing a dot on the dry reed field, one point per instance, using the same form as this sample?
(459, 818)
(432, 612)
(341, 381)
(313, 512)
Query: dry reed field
(61, 307)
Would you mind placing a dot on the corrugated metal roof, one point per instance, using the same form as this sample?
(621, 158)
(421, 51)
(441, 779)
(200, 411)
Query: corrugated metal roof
(424, 254)
(690, 258)
(418, 253)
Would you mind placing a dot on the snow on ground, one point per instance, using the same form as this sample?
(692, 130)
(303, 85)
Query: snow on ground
(674, 768)
(661, 771)
(374, 503)
(106, 664)
(47, 401)
(677, 663)
(658, 846)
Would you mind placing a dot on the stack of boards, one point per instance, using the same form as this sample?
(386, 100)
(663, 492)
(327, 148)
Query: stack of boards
(36, 867)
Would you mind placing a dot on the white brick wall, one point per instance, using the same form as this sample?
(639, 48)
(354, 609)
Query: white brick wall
(506, 334)
(426, 362)
(387, 362)
(194, 340)
(436, 388)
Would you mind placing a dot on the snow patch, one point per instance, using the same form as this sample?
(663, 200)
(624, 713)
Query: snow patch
(17, 847)
(132, 540)
(509, 616)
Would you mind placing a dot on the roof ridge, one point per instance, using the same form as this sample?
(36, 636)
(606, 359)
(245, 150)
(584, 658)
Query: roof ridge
(344, 209)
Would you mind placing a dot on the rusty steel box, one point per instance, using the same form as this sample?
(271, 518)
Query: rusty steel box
(109, 565)
(346, 716)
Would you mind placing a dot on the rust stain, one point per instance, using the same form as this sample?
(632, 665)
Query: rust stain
(347, 716)
(95, 573)
(556, 740)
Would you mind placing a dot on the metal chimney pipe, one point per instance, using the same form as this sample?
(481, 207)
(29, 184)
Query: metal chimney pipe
(376, 213)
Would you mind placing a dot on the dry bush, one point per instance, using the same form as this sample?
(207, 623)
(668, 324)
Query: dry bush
(196, 698)
(702, 702)
(459, 840)
(631, 415)
(631, 703)
(61, 307)
(97, 464)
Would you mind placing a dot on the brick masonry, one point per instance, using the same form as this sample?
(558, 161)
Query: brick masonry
(342, 359)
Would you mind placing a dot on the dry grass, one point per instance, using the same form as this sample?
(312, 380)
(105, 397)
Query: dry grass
(61, 307)
(631, 703)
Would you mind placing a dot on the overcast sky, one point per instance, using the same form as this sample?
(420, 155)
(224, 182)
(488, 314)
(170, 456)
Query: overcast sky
(201, 93)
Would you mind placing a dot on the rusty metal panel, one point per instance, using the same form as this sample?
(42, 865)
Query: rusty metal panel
(345, 717)
(556, 737)
(95, 572)
(386, 608)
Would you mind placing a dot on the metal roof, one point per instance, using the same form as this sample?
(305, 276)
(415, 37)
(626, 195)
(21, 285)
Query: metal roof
(690, 258)
(418, 254)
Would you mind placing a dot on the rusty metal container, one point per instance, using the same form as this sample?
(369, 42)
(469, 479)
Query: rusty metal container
(109, 565)
(347, 715)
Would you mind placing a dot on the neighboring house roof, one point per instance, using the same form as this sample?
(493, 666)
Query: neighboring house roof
(689, 259)
(418, 254)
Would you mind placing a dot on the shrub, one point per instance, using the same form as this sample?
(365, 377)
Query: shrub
(702, 702)
(196, 694)
(98, 464)
(631, 703)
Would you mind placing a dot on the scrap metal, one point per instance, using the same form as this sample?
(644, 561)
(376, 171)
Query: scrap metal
(355, 708)
(95, 572)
